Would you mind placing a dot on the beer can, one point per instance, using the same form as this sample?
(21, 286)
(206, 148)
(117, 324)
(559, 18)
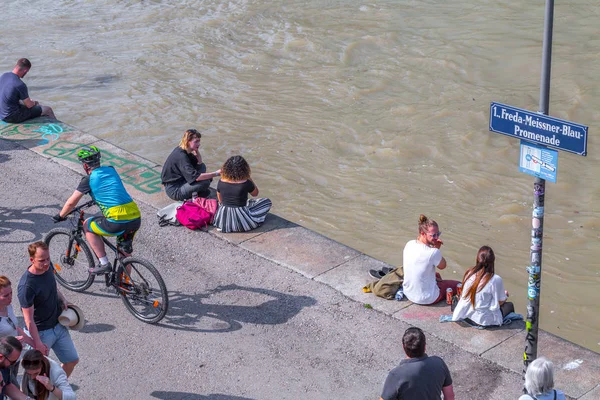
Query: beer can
(449, 295)
(459, 289)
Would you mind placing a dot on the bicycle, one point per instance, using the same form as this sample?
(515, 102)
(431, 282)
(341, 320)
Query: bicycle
(136, 280)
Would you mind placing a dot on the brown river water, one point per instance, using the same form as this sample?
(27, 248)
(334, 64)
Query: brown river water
(355, 116)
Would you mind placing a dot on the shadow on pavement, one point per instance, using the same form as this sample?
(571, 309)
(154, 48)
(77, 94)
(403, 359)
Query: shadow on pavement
(97, 328)
(514, 325)
(25, 144)
(189, 313)
(13, 220)
(191, 396)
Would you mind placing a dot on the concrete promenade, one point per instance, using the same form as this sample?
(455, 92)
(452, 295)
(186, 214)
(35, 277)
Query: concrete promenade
(276, 313)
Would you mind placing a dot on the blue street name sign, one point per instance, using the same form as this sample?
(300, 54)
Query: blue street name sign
(538, 128)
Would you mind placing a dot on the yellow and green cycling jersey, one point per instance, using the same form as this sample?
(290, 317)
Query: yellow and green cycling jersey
(106, 188)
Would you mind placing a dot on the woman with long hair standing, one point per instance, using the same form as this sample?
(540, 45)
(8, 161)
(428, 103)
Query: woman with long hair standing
(483, 299)
(44, 379)
(237, 213)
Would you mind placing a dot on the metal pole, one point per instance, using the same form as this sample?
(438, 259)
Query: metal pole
(539, 188)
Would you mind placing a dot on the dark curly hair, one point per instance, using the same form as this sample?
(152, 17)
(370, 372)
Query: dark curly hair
(235, 169)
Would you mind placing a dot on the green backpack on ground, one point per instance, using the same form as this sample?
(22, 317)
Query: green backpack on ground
(387, 286)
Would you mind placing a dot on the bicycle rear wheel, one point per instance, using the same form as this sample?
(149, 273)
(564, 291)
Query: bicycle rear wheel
(143, 290)
(71, 259)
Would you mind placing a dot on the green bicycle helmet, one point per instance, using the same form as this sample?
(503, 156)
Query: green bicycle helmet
(89, 155)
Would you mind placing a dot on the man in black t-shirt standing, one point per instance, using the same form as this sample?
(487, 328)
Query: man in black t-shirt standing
(418, 377)
(42, 303)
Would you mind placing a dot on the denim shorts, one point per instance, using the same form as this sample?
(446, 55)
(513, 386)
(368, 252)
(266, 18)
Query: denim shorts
(59, 340)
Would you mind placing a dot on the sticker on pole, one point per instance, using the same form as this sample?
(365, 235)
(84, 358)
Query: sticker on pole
(538, 161)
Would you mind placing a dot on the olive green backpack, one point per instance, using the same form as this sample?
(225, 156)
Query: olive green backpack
(387, 286)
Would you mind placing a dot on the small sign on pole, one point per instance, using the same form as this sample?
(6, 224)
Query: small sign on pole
(538, 161)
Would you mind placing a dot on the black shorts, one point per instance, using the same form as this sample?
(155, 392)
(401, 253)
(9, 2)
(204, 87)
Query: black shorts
(23, 114)
(123, 231)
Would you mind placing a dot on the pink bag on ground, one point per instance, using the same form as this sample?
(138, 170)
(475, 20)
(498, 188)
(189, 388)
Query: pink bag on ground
(209, 205)
(191, 215)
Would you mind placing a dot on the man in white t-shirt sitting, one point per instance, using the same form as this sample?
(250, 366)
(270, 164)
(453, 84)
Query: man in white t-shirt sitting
(422, 285)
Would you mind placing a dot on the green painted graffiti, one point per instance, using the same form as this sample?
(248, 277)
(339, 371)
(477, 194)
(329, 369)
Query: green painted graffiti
(47, 131)
(133, 173)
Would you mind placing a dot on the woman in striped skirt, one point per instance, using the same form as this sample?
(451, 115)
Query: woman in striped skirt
(237, 213)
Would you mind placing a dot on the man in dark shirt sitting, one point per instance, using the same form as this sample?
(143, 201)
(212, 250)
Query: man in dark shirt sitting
(15, 104)
(418, 377)
(184, 173)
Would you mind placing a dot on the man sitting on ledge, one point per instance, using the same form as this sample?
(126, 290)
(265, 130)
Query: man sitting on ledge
(15, 104)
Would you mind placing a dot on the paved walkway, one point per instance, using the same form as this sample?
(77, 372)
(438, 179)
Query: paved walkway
(276, 313)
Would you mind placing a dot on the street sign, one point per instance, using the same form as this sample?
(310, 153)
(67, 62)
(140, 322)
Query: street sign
(538, 161)
(538, 128)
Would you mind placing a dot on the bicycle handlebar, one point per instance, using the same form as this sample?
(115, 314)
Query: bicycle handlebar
(87, 204)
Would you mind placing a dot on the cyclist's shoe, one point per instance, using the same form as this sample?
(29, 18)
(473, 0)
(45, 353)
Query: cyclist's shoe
(101, 269)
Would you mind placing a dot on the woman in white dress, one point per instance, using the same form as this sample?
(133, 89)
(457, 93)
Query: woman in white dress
(483, 299)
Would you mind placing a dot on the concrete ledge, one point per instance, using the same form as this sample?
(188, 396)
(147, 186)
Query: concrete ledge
(460, 333)
(594, 394)
(272, 222)
(577, 370)
(300, 249)
(351, 276)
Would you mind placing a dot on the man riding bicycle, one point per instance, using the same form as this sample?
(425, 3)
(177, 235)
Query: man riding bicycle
(120, 215)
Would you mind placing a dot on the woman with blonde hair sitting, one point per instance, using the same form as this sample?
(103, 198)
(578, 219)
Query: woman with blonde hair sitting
(483, 299)
(44, 379)
(539, 381)
(184, 173)
(237, 213)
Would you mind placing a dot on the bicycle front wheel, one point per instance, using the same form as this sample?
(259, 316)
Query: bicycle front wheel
(143, 290)
(71, 259)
